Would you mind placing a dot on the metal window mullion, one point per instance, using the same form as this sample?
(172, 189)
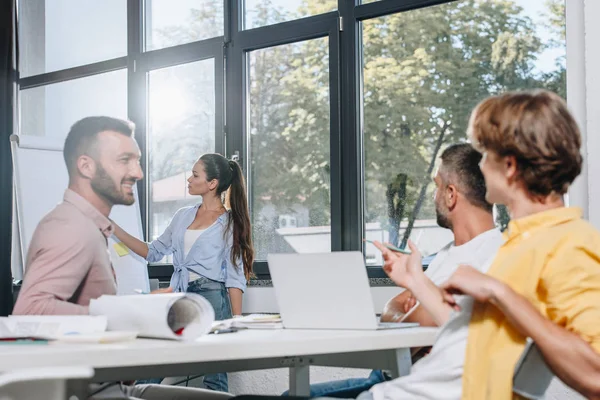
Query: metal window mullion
(335, 154)
(387, 7)
(286, 32)
(351, 140)
(180, 54)
(137, 98)
(220, 102)
(68, 74)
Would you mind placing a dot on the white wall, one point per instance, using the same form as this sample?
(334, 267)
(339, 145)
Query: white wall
(592, 123)
(583, 92)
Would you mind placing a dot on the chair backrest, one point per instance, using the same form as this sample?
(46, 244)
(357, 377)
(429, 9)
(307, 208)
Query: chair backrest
(57, 383)
(532, 376)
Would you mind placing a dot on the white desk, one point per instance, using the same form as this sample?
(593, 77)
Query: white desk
(241, 351)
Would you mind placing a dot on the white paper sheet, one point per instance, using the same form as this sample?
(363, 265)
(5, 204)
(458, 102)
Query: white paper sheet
(100, 337)
(157, 315)
(50, 326)
(252, 321)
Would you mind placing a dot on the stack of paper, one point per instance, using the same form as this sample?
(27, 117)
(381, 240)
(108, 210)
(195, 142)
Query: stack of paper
(179, 316)
(49, 327)
(252, 321)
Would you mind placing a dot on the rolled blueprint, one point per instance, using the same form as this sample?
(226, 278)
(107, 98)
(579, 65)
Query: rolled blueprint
(179, 316)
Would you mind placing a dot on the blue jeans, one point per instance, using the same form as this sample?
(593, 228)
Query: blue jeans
(347, 388)
(216, 294)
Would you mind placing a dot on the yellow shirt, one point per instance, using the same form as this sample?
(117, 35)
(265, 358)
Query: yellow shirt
(553, 259)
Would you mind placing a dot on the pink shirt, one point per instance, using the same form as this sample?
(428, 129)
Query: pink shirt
(68, 263)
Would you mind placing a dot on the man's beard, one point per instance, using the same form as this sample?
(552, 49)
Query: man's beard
(442, 220)
(104, 186)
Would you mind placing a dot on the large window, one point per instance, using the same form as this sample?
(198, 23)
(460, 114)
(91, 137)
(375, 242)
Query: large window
(51, 110)
(338, 110)
(59, 34)
(169, 22)
(259, 13)
(181, 110)
(289, 148)
(424, 71)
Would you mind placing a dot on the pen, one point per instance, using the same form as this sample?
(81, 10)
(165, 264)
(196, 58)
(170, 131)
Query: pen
(389, 246)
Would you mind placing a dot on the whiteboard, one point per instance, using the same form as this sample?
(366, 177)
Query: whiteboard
(40, 181)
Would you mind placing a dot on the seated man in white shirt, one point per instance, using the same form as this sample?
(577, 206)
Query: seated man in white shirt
(461, 207)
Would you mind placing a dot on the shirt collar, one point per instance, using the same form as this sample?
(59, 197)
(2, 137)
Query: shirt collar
(221, 217)
(544, 219)
(103, 223)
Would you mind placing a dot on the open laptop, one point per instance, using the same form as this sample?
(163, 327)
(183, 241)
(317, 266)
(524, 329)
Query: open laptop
(325, 291)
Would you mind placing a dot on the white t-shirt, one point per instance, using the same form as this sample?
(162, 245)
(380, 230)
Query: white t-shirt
(190, 237)
(437, 271)
(439, 374)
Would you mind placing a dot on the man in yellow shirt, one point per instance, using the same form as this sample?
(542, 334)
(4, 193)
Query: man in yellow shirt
(545, 280)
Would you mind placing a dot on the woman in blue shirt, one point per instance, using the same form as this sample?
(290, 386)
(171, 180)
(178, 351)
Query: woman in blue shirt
(211, 246)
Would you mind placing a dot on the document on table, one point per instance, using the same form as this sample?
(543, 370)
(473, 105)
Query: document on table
(50, 326)
(252, 321)
(178, 316)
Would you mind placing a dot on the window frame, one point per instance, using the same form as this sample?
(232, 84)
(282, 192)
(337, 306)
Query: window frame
(141, 64)
(174, 56)
(230, 52)
(248, 40)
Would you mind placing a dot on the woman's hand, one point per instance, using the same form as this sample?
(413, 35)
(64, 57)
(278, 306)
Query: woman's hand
(134, 244)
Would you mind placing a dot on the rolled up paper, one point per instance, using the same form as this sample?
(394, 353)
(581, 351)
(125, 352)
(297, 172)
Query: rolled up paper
(178, 316)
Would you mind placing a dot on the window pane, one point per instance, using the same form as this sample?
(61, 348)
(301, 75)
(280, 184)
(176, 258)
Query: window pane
(59, 34)
(51, 110)
(420, 85)
(259, 13)
(181, 128)
(289, 148)
(169, 23)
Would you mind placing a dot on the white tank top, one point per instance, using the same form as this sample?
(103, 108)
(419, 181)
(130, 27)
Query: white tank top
(190, 237)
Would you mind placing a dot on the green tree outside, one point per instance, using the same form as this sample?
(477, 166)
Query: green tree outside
(423, 72)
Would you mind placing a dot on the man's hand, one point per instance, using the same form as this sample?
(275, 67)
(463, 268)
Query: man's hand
(407, 270)
(395, 309)
(401, 268)
(409, 303)
(469, 281)
(163, 290)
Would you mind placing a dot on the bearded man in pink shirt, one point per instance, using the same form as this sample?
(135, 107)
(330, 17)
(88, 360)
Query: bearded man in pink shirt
(68, 263)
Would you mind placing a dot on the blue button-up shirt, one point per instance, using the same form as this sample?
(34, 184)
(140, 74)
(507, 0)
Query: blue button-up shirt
(210, 256)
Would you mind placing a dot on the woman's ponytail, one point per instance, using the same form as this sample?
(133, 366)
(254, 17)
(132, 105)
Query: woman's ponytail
(240, 215)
